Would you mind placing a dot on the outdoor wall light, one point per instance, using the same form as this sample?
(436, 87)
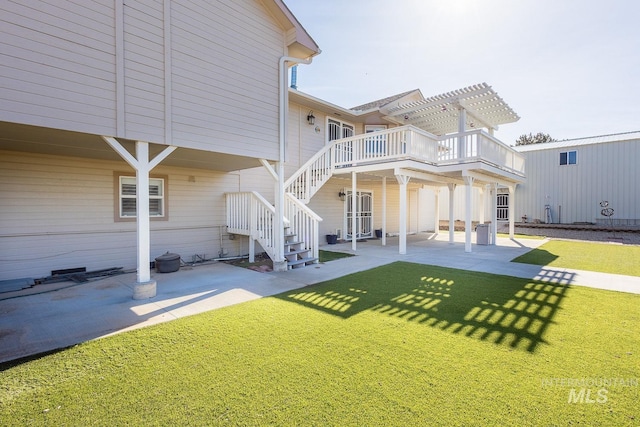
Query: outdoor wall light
(311, 119)
(342, 195)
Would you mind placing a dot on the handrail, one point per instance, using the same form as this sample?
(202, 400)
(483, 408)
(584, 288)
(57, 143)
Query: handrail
(304, 223)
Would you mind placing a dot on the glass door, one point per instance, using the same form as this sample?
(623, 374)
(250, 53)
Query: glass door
(364, 214)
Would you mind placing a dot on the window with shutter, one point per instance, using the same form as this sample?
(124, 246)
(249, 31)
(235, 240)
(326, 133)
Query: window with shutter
(126, 197)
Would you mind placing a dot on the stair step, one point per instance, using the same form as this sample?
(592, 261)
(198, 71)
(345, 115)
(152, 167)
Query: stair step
(296, 252)
(301, 262)
(292, 243)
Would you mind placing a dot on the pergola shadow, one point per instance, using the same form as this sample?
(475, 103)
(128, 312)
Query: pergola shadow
(500, 309)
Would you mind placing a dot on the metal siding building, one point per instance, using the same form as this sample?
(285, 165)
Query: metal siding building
(575, 176)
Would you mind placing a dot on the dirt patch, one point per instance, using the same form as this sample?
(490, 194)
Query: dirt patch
(262, 263)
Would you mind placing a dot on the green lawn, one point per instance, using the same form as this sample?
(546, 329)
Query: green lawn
(326, 256)
(592, 256)
(402, 344)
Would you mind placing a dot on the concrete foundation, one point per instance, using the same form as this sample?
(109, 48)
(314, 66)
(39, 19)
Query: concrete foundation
(144, 290)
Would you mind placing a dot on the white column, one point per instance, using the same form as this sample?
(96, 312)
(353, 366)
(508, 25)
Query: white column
(384, 211)
(402, 244)
(142, 212)
(354, 206)
(462, 125)
(494, 213)
(145, 287)
(436, 202)
(279, 263)
(468, 182)
(512, 201)
(452, 222)
(481, 193)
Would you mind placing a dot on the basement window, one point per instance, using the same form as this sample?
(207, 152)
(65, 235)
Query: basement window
(568, 158)
(126, 208)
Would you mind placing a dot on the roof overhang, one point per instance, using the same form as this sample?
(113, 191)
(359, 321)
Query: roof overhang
(440, 114)
(299, 42)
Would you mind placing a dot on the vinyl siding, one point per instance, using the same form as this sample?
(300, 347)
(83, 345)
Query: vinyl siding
(57, 64)
(58, 69)
(58, 212)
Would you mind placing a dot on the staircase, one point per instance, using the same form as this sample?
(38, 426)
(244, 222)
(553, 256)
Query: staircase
(250, 214)
(295, 253)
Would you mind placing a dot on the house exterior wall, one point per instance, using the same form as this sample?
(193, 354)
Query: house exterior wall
(195, 74)
(58, 212)
(603, 171)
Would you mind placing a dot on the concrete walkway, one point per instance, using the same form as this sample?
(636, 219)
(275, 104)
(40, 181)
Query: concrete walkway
(68, 314)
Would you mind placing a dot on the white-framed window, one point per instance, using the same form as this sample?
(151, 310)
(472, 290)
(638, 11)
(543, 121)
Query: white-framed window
(337, 129)
(568, 158)
(126, 191)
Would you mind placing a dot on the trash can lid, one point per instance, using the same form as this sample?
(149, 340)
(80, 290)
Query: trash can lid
(168, 257)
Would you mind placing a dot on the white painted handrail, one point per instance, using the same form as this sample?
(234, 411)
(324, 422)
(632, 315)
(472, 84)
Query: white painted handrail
(250, 214)
(303, 222)
(405, 142)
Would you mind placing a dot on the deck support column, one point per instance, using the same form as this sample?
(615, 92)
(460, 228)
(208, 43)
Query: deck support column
(354, 210)
(384, 211)
(481, 193)
(436, 207)
(468, 182)
(144, 287)
(494, 212)
(403, 180)
(512, 210)
(452, 221)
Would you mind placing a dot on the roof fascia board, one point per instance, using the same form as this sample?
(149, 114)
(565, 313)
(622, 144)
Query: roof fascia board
(288, 21)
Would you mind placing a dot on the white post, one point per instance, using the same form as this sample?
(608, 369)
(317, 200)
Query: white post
(384, 211)
(354, 209)
(494, 213)
(436, 202)
(512, 193)
(402, 244)
(142, 212)
(253, 215)
(145, 287)
(279, 264)
(452, 222)
(462, 124)
(482, 205)
(468, 182)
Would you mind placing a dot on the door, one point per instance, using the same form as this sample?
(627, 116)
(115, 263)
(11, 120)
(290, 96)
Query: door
(364, 214)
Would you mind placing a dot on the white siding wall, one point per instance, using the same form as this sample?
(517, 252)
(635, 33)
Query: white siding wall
(605, 171)
(58, 64)
(58, 212)
(59, 69)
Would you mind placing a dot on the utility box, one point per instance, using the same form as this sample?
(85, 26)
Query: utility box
(483, 234)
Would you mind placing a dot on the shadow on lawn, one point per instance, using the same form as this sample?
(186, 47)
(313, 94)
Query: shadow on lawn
(499, 309)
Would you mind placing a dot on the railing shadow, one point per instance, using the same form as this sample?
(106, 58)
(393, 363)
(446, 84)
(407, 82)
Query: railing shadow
(500, 309)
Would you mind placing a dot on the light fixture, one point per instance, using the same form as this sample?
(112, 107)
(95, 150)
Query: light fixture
(311, 119)
(342, 195)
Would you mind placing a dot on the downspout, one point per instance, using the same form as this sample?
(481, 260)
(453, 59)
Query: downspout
(279, 263)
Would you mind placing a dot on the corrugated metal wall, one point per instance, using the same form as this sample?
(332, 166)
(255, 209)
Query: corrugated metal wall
(603, 171)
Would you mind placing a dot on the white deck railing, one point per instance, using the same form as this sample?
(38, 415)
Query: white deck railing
(406, 142)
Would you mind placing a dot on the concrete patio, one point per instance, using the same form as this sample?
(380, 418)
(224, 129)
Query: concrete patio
(59, 316)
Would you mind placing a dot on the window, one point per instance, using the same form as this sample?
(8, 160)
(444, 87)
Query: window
(338, 129)
(126, 198)
(568, 158)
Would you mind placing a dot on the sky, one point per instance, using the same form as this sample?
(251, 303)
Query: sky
(568, 68)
